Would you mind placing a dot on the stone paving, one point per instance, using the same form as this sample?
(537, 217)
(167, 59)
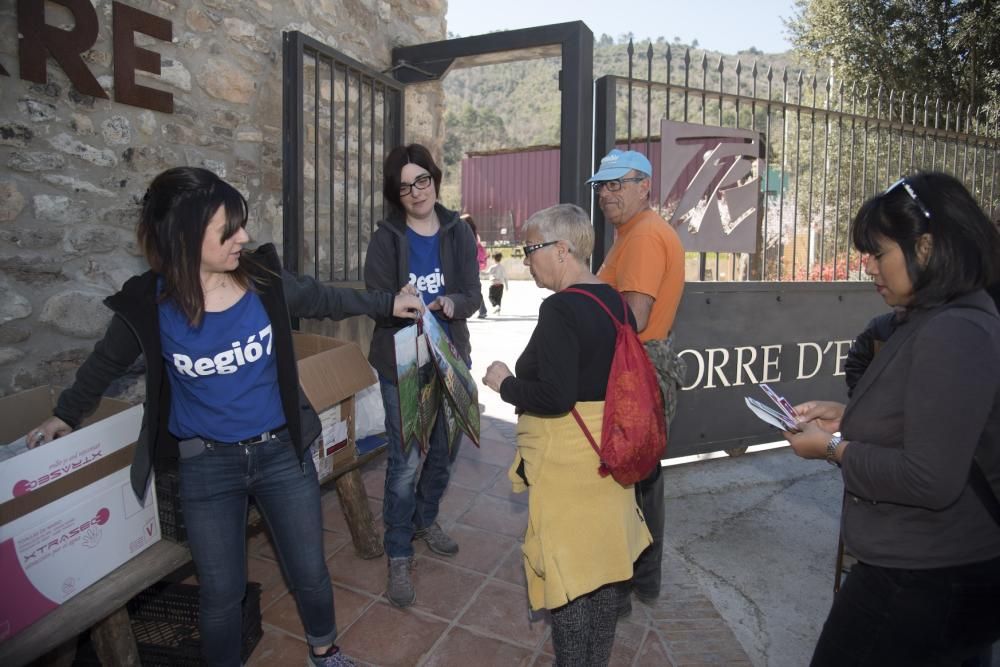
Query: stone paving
(472, 609)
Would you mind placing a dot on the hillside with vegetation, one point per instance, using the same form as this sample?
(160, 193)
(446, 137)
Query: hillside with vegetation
(515, 105)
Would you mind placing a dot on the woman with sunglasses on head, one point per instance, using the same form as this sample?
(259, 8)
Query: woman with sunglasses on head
(427, 250)
(566, 365)
(222, 397)
(919, 441)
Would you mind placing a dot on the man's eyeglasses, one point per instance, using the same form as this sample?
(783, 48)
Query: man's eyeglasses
(528, 249)
(615, 185)
(910, 191)
(422, 182)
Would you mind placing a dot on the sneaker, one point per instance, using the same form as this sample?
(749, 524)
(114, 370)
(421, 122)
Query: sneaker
(436, 540)
(496, 310)
(400, 591)
(332, 658)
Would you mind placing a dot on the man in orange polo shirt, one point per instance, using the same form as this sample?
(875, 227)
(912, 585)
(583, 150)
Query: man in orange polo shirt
(646, 264)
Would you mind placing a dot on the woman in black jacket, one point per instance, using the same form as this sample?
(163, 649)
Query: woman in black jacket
(919, 450)
(222, 394)
(422, 248)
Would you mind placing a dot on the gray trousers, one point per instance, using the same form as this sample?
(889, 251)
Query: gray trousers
(670, 369)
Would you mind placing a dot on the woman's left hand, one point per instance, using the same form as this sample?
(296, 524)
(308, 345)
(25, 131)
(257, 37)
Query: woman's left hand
(496, 374)
(408, 306)
(444, 304)
(810, 442)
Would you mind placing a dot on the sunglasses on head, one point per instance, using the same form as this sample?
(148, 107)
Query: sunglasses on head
(903, 183)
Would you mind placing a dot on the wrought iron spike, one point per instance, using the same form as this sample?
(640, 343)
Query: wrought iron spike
(631, 48)
(649, 51)
(687, 56)
(719, 66)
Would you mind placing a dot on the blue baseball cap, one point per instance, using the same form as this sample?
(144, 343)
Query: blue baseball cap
(618, 164)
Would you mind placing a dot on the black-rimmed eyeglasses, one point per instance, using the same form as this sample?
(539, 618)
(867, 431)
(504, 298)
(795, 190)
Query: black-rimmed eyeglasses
(910, 191)
(615, 185)
(528, 249)
(421, 182)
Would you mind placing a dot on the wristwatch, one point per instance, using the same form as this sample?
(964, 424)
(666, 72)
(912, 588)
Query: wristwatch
(831, 450)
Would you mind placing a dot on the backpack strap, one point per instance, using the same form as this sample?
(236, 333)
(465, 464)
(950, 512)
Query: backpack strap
(586, 431)
(576, 415)
(577, 290)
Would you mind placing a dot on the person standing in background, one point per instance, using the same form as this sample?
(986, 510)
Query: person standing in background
(646, 264)
(480, 256)
(498, 282)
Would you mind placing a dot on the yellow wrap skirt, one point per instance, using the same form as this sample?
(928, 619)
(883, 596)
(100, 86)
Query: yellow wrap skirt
(584, 530)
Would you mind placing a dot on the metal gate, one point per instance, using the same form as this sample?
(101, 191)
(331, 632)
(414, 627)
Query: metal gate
(829, 146)
(340, 118)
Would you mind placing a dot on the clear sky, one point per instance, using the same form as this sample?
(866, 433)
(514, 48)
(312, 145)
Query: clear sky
(727, 26)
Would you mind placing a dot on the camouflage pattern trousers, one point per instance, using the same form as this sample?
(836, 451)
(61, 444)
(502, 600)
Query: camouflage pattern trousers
(670, 371)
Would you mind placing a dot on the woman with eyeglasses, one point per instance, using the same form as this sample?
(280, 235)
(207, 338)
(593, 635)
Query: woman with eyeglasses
(566, 365)
(918, 445)
(424, 249)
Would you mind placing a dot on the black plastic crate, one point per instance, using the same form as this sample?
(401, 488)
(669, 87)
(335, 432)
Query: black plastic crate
(165, 623)
(168, 501)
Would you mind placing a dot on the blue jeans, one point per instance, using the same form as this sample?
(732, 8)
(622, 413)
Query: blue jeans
(887, 617)
(411, 501)
(215, 486)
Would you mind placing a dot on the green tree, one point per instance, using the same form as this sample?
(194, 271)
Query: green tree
(942, 48)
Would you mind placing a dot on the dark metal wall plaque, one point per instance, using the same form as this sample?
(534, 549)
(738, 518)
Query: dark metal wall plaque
(733, 336)
(710, 184)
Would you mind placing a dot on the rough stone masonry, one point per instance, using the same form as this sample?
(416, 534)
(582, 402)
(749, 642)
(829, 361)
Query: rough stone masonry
(74, 166)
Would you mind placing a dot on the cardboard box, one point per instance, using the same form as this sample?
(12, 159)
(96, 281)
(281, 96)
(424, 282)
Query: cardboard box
(331, 371)
(68, 514)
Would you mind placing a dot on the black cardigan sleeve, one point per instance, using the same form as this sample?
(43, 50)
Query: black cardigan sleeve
(549, 368)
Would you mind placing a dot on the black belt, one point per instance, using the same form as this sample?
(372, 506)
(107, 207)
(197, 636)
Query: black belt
(255, 440)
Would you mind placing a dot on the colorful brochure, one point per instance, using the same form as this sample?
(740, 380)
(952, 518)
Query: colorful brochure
(781, 417)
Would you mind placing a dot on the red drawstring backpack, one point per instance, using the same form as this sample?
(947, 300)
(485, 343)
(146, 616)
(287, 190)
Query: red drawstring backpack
(634, 432)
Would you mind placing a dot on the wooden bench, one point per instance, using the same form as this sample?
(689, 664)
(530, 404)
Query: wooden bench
(101, 607)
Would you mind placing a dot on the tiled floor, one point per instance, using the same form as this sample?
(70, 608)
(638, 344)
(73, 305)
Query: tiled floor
(472, 609)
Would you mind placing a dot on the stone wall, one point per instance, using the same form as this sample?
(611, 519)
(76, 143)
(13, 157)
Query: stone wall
(73, 166)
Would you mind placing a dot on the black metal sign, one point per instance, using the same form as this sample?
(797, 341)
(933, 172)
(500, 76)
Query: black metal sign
(733, 336)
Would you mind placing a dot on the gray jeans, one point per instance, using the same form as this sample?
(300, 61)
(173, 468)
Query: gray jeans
(670, 370)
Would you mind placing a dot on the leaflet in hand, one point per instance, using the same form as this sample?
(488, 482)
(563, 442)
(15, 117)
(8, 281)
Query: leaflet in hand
(782, 418)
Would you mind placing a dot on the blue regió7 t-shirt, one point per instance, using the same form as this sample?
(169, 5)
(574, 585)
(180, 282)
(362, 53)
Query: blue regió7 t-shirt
(425, 270)
(223, 375)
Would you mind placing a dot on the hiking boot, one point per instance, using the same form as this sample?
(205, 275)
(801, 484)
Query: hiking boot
(400, 591)
(436, 540)
(332, 658)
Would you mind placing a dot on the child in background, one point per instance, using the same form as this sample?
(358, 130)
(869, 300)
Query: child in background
(498, 281)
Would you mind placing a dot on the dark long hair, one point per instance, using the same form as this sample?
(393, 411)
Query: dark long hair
(392, 170)
(176, 210)
(965, 249)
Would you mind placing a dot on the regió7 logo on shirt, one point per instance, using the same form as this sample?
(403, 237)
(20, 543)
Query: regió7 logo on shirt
(227, 361)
